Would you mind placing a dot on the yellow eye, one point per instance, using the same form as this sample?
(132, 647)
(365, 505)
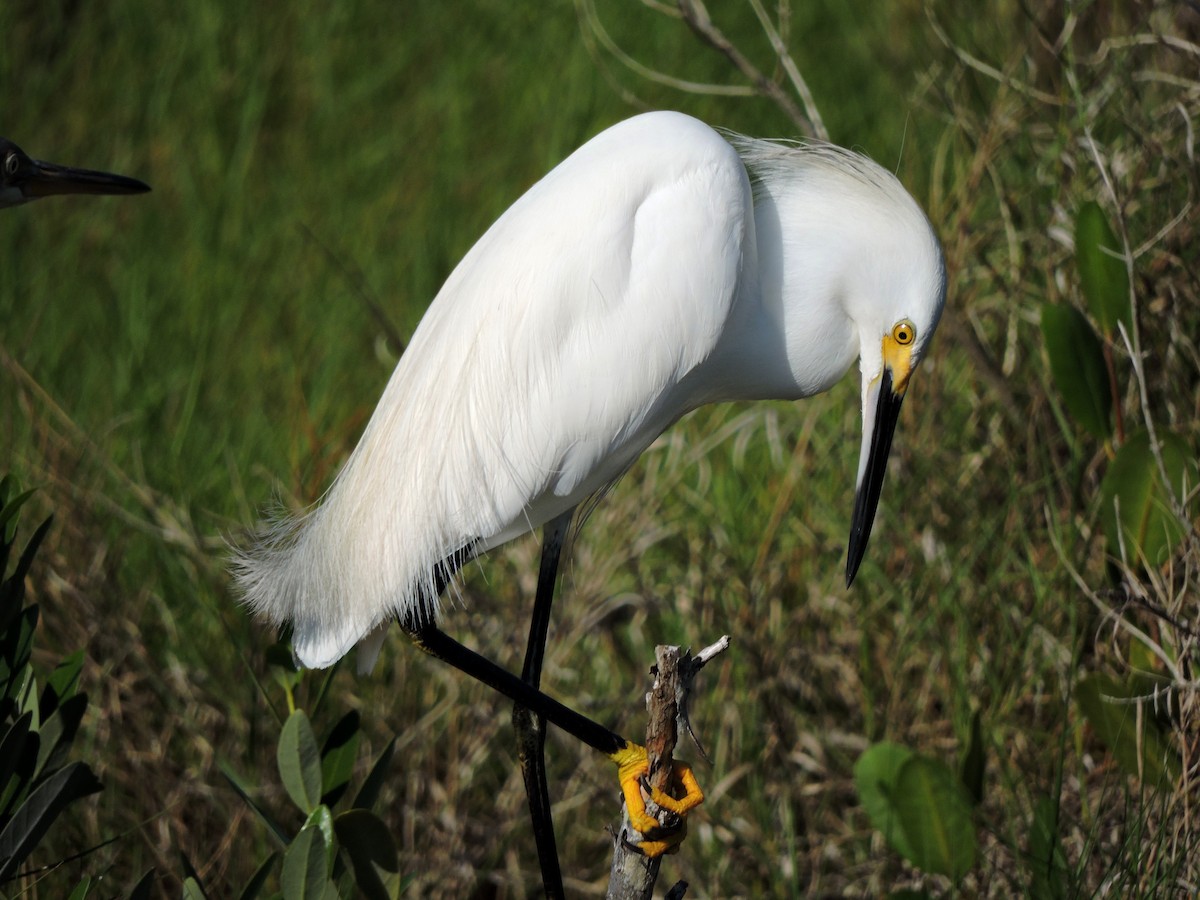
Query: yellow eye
(903, 333)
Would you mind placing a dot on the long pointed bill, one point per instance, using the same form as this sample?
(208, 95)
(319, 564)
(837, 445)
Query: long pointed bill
(47, 179)
(881, 409)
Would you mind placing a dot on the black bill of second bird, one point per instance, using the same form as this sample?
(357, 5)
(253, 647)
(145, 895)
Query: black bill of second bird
(23, 178)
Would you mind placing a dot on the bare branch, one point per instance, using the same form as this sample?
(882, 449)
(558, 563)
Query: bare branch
(807, 120)
(633, 874)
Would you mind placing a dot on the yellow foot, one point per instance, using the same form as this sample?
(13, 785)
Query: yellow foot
(632, 765)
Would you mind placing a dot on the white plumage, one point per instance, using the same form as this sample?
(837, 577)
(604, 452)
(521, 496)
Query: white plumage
(644, 276)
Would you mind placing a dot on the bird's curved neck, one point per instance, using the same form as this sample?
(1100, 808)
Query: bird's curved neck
(789, 335)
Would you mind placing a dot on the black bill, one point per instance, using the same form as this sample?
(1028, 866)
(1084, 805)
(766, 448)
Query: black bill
(877, 444)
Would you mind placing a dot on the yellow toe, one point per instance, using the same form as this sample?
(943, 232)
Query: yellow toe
(633, 763)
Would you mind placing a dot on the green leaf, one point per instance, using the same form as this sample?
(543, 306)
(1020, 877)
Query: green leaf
(190, 874)
(255, 885)
(35, 816)
(1103, 275)
(364, 838)
(12, 755)
(338, 757)
(300, 762)
(322, 818)
(1048, 872)
(974, 762)
(305, 873)
(81, 890)
(10, 508)
(16, 644)
(1111, 709)
(141, 890)
(12, 591)
(920, 806)
(935, 814)
(369, 792)
(62, 682)
(1134, 503)
(1077, 364)
(192, 890)
(875, 775)
(58, 733)
(235, 782)
(282, 665)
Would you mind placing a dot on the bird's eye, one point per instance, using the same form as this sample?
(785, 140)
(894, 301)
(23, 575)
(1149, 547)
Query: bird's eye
(903, 333)
(11, 163)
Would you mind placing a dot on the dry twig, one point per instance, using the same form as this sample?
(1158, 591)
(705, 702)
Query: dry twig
(633, 874)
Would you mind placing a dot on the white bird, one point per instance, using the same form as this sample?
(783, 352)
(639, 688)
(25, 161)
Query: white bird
(23, 179)
(658, 268)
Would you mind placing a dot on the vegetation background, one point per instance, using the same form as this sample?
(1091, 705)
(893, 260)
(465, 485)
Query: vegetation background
(171, 365)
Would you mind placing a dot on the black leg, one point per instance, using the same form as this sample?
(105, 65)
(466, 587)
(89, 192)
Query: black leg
(532, 708)
(531, 728)
(437, 643)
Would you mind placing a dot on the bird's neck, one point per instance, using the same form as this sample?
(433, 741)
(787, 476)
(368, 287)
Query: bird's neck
(789, 335)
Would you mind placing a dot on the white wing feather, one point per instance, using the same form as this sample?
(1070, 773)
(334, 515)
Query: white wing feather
(551, 358)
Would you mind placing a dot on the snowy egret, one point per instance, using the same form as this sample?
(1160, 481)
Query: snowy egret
(659, 268)
(23, 179)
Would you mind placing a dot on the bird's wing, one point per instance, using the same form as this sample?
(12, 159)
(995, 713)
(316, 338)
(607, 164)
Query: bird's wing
(552, 356)
(574, 319)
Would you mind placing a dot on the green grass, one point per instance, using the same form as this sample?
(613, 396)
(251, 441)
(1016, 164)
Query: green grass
(172, 364)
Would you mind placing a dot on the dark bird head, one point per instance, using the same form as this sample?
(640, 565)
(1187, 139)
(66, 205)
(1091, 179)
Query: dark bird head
(23, 179)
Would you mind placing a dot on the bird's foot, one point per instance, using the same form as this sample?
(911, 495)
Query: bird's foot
(633, 766)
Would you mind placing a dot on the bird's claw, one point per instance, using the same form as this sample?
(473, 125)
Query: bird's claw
(633, 765)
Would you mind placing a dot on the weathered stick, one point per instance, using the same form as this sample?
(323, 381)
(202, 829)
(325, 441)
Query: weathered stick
(633, 875)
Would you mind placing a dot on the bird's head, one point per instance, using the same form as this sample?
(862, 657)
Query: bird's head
(23, 179)
(856, 267)
(899, 301)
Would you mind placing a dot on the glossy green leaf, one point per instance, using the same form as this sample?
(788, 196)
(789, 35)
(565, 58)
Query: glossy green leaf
(935, 813)
(364, 838)
(19, 767)
(1111, 709)
(1134, 504)
(43, 806)
(8, 513)
(62, 683)
(1077, 364)
(259, 879)
(12, 754)
(16, 645)
(12, 591)
(322, 818)
(305, 874)
(300, 762)
(58, 733)
(1103, 275)
(369, 792)
(338, 757)
(875, 775)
